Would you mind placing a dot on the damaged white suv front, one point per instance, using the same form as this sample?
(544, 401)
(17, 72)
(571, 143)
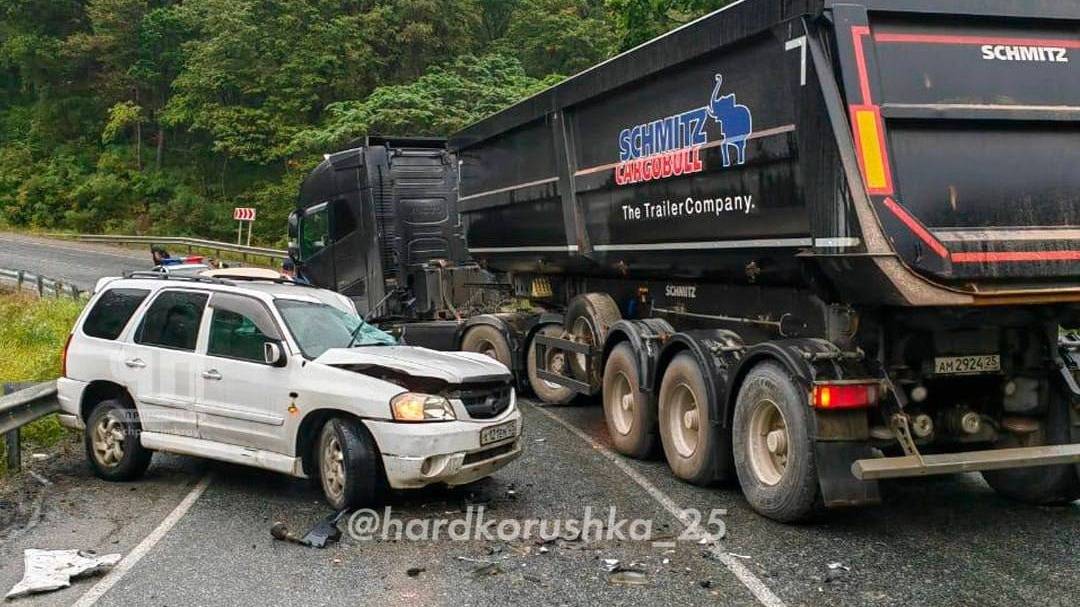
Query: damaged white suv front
(279, 376)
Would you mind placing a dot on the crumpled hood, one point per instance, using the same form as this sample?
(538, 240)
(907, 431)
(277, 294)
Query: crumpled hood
(451, 367)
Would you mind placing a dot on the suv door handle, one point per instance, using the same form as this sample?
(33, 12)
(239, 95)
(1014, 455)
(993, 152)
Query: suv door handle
(211, 374)
(135, 363)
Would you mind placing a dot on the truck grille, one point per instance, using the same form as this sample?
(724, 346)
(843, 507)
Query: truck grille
(484, 402)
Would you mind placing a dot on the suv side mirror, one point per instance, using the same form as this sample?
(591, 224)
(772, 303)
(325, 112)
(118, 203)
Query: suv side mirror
(273, 355)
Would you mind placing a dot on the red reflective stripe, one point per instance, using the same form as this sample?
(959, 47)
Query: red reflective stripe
(946, 39)
(1016, 256)
(914, 225)
(857, 32)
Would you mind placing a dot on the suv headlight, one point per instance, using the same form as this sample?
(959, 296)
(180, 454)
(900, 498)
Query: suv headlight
(416, 407)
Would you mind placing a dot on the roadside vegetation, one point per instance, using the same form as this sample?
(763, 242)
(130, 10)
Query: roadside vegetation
(31, 339)
(160, 116)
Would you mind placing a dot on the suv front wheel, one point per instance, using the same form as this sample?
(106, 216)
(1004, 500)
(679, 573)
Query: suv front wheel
(348, 465)
(112, 442)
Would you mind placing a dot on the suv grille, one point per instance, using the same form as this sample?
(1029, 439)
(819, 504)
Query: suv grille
(484, 402)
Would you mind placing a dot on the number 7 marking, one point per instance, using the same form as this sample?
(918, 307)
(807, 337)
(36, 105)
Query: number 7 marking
(799, 43)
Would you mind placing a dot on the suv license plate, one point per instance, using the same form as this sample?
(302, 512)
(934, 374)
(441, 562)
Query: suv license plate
(495, 434)
(961, 365)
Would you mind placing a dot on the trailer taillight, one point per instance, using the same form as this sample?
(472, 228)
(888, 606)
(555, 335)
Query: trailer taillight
(869, 132)
(844, 396)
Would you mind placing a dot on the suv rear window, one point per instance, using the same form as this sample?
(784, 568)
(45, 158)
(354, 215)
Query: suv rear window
(112, 312)
(173, 320)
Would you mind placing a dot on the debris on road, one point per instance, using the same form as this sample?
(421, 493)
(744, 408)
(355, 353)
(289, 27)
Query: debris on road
(324, 532)
(47, 570)
(631, 577)
(611, 564)
(414, 571)
(487, 570)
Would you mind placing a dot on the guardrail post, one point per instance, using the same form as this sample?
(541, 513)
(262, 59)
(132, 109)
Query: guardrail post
(11, 440)
(21, 277)
(41, 285)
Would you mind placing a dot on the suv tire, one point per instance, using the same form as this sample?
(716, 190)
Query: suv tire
(348, 465)
(112, 442)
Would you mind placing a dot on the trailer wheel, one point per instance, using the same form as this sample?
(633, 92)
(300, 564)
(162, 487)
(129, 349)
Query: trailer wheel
(692, 445)
(1042, 485)
(487, 340)
(630, 416)
(773, 449)
(550, 393)
(588, 319)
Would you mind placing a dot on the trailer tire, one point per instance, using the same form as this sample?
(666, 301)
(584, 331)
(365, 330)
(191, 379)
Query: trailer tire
(552, 394)
(773, 445)
(488, 340)
(1042, 485)
(692, 443)
(589, 317)
(629, 412)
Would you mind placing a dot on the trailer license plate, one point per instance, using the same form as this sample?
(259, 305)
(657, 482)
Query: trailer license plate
(495, 434)
(961, 365)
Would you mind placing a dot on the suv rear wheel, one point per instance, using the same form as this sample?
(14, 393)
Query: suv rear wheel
(348, 465)
(112, 442)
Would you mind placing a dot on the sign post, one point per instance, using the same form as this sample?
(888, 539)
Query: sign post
(242, 214)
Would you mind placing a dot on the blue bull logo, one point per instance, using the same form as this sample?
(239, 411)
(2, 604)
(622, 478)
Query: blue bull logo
(736, 123)
(671, 146)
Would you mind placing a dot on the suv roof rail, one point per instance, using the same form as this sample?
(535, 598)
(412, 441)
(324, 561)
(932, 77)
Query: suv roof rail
(150, 274)
(224, 280)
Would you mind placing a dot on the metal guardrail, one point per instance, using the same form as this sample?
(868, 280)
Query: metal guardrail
(23, 280)
(190, 243)
(20, 408)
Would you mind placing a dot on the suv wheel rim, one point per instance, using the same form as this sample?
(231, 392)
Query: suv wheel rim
(768, 442)
(684, 419)
(108, 441)
(333, 467)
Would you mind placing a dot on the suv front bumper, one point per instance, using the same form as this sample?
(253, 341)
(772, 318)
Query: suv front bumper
(419, 454)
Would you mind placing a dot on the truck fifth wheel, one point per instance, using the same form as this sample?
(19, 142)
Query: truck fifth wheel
(804, 244)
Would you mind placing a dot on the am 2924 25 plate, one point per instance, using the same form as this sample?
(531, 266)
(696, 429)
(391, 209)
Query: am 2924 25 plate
(967, 365)
(498, 433)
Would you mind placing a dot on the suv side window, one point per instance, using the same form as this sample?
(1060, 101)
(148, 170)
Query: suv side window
(239, 328)
(172, 321)
(112, 312)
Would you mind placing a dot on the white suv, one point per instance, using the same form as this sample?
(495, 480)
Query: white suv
(281, 376)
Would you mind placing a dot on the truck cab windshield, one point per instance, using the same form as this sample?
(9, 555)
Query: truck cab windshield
(318, 327)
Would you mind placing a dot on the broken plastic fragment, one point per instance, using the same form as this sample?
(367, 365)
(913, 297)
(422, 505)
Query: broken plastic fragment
(46, 570)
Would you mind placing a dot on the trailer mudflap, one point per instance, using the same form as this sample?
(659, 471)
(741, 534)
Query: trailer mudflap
(970, 461)
(838, 488)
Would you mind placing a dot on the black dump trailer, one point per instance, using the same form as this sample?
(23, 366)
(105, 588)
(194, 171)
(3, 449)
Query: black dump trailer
(803, 244)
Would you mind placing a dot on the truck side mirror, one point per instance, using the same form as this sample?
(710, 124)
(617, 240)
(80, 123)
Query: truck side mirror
(273, 355)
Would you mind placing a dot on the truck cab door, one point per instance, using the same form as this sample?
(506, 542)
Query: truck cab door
(316, 253)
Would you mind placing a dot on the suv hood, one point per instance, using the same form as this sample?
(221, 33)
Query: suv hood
(450, 367)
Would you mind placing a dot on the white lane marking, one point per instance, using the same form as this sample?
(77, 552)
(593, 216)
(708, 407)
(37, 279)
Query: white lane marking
(91, 597)
(754, 584)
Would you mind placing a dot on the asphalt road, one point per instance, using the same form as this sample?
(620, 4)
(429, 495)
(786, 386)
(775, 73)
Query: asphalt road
(80, 264)
(940, 541)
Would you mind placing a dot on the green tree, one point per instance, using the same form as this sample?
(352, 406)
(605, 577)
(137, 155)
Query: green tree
(638, 21)
(559, 36)
(443, 100)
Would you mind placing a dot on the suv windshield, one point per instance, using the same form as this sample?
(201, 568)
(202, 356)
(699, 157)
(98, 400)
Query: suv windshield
(318, 327)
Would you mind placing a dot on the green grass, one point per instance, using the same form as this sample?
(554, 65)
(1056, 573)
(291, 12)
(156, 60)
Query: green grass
(32, 334)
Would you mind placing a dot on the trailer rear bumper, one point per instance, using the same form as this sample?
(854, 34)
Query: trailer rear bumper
(969, 461)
